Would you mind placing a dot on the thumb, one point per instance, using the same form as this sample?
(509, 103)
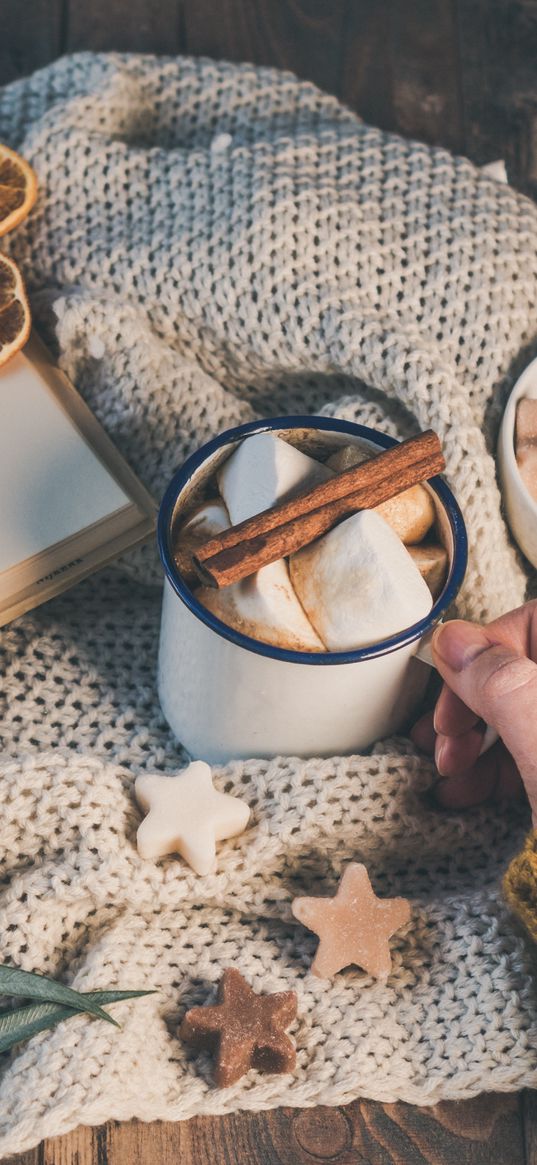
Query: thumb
(498, 683)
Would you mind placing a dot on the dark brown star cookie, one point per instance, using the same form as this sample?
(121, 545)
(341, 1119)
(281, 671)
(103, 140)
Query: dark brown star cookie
(245, 1030)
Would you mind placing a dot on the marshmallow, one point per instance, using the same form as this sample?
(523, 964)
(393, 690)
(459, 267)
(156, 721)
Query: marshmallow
(265, 470)
(347, 457)
(527, 467)
(411, 513)
(358, 583)
(265, 607)
(431, 561)
(209, 519)
(526, 424)
(526, 443)
(526, 421)
(262, 471)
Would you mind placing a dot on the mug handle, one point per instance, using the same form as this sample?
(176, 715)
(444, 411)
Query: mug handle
(424, 653)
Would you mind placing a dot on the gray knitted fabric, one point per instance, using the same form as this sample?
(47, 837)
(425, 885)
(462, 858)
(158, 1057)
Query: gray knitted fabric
(214, 243)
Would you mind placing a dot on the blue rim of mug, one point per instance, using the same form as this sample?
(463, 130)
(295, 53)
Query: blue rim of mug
(321, 658)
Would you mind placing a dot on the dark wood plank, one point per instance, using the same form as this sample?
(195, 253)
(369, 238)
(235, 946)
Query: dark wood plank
(32, 1157)
(484, 1131)
(30, 35)
(529, 1118)
(426, 94)
(498, 54)
(400, 68)
(367, 61)
(302, 35)
(147, 26)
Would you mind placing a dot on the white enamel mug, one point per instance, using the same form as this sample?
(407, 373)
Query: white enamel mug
(520, 506)
(227, 696)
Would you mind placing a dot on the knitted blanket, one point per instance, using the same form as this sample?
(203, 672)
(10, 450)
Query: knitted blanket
(214, 243)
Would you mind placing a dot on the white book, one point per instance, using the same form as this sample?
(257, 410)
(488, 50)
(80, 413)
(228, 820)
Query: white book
(69, 502)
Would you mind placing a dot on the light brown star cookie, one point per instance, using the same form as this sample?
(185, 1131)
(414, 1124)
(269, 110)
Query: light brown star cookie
(354, 927)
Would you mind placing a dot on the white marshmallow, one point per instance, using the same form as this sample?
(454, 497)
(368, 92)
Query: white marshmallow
(358, 583)
(431, 561)
(411, 513)
(265, 607)
(209, 519)
(265, 470)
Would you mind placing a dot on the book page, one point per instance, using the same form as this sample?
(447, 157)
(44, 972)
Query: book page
(52, 484)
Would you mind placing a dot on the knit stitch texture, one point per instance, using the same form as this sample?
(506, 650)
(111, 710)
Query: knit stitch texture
(215, 243)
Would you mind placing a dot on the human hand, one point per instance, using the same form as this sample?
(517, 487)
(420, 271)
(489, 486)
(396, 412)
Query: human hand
(490, 676)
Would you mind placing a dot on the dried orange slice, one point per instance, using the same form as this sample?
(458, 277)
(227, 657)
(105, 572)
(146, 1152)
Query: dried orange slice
(18, 189)
(14, 310)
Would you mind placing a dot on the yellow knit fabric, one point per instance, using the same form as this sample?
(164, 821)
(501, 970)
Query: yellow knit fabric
(520, 885)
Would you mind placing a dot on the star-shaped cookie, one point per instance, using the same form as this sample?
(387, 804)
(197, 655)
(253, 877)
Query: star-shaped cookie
(245, 1030)
(187, 815)
(354, 927)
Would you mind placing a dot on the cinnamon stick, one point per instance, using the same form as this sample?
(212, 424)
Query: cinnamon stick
(243, 549)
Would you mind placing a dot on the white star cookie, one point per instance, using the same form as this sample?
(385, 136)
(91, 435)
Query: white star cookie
(186, 815)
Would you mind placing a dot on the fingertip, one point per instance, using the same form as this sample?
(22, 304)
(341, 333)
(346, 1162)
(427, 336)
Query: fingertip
(455, 755)
(441, 746)
(456, 643)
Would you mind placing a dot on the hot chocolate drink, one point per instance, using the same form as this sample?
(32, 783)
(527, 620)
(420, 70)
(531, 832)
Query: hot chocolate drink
(372, 575)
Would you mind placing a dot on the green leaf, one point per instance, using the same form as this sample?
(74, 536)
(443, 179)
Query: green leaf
(23, 1022)
(30, 985)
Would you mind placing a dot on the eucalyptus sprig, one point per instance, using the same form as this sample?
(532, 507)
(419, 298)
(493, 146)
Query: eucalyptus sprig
(55, 1002)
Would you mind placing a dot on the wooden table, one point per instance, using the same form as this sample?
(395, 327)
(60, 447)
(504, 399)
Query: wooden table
(490, 1130)
(459, 73)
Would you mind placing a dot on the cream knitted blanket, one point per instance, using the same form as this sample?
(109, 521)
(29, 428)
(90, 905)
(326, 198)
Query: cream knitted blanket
(214, 243)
